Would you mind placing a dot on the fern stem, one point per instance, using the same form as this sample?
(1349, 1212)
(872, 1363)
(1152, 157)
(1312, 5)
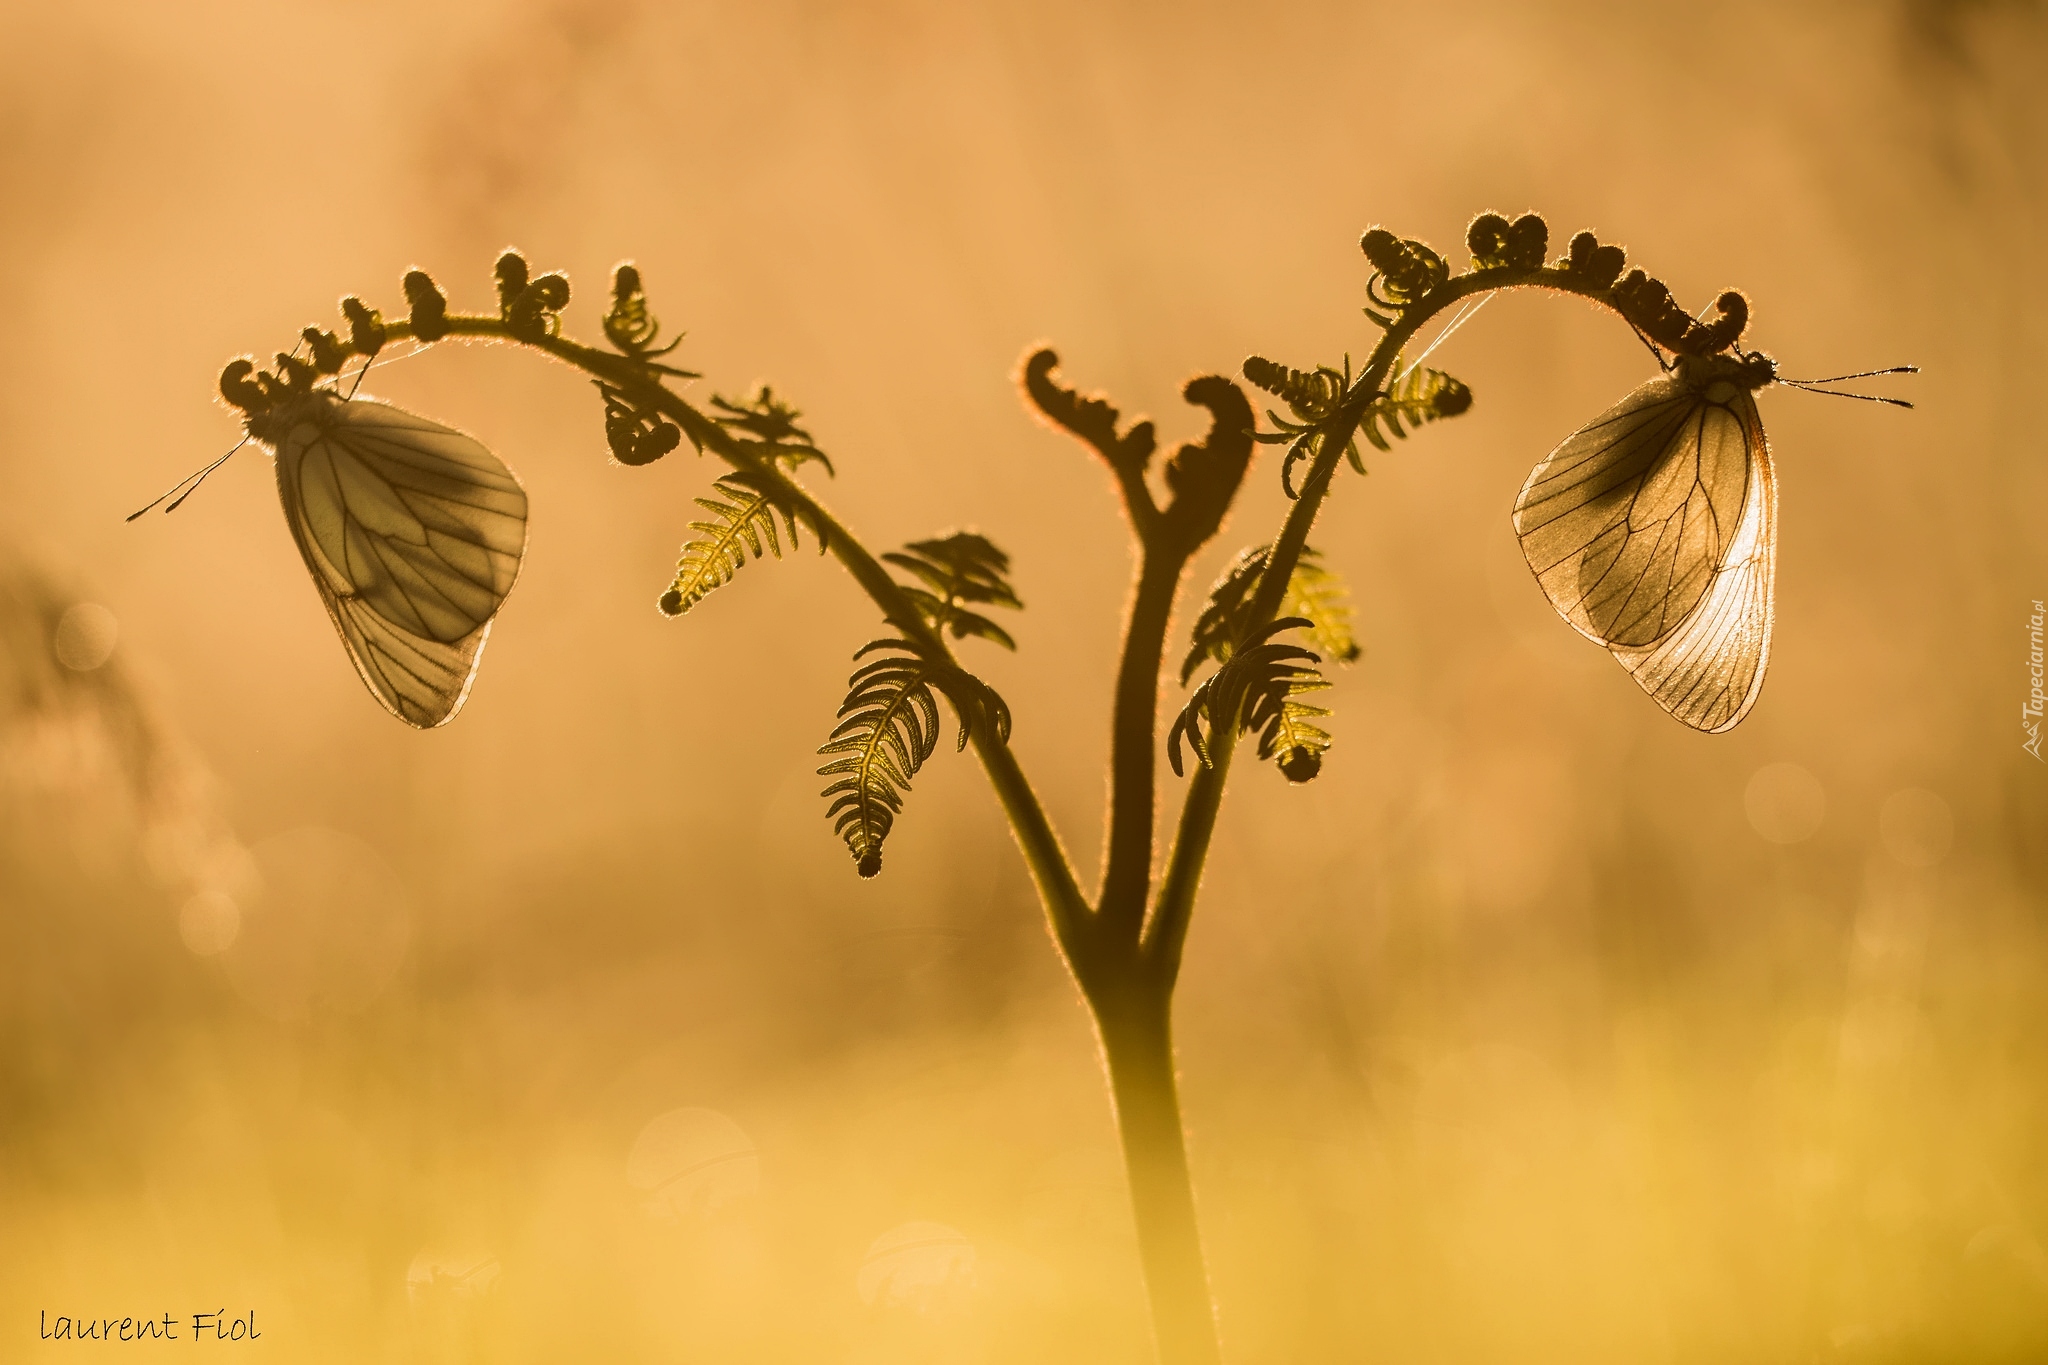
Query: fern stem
(1167, 927)
(1125, 962)
(1134, 745)
(1137, 1044)
(1046, 858)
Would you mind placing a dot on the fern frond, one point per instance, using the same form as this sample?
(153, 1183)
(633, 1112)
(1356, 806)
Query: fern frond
(1249, 693)
(1292, 737)
(888, 726)
(958, 569)
(1316, 599)
(772, 425)
(1314, 590)
(1317, 591)
(744, 511)
(1216, 629)
(1419, 396)
(1310, 394)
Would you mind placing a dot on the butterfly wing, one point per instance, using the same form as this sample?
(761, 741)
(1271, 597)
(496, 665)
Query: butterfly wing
(1625, 523)
(413, 533)
(1709, 671)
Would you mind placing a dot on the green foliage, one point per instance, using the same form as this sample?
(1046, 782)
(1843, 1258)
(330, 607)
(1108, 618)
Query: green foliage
(627, 324)
(1311, 395)
(1314, 591)
(1217, 628)
(959, 569)
(1317, 591)
(888, 726)
(429, 316)
(530, 306)
(746, 503)
(743, 509)
(1648, 306)
(1418, 395)
(767, 427)
(1317, 597)
(1292, 738)
(1250, 692)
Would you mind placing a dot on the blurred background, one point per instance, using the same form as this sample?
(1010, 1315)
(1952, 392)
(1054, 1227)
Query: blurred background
(1539, 1028)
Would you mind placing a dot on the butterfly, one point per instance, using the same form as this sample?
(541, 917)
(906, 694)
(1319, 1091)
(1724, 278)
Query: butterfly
(413, 533)
(1653, 530)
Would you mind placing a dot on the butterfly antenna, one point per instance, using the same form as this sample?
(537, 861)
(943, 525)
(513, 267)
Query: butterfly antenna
(1860, 374)
(1837, 393)
(190, 484)
(1815, 385)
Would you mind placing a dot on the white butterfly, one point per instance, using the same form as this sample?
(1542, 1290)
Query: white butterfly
(413, 533)
(1653, 529)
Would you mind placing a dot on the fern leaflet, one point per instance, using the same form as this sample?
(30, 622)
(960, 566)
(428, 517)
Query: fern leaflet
(1316, 596)
(958, 569)
(1292, 737)
(1315, 590)
(768, 428)
(744, 509)
(1248, 693)
(888, 726)
(1419, 396)
(1416, 396)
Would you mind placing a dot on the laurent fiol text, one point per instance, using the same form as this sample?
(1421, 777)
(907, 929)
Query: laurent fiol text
(218, 1325)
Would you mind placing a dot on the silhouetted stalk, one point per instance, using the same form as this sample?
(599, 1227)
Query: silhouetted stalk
(1137, 1040)
(1134, 740)
(1126, 960)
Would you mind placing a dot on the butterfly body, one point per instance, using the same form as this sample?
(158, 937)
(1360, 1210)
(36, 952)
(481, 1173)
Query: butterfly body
(413, 533)
(1653, 531)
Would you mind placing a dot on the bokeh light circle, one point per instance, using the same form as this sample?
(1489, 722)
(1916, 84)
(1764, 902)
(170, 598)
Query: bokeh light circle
(688, 1162)
(1785, 803)
(919, 1265)
(85, 637)
(209, 922)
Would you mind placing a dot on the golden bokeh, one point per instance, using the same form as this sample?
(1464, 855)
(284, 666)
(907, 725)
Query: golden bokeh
(1537, 1028)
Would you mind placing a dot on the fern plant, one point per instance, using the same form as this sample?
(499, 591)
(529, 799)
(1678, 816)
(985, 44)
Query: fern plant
(743, 511)
(1276, 614)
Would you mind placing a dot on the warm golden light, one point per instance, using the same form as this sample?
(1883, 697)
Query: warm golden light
(1537, 1027)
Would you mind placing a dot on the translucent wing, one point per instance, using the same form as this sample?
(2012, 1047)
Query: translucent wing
(1626, 522)
(1708, 672)
(413, 533)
